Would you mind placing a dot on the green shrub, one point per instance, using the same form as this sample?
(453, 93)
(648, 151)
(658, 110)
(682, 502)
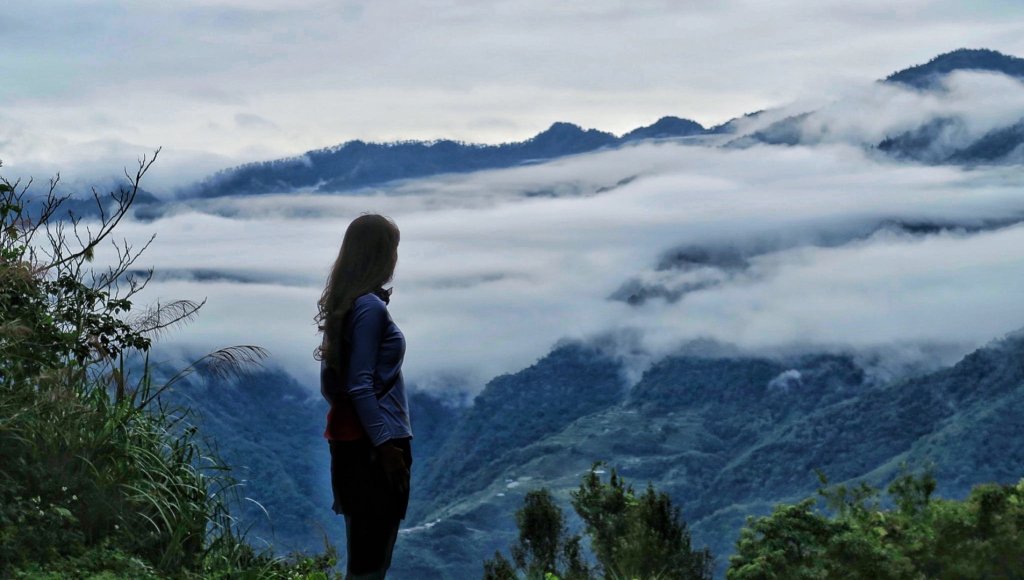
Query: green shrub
(920, 537)
(97, 477)
(632, 536)
(637, 536)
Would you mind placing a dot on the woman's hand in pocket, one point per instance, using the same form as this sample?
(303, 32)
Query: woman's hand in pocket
(392, 459)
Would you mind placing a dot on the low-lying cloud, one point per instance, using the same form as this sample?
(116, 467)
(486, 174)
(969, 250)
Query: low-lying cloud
(965, 106)
(490, 278)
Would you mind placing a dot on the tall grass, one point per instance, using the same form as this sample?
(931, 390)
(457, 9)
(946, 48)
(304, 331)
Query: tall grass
(97, 476)
(83, 475)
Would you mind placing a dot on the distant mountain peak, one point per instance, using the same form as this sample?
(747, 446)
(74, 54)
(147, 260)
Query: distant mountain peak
(563, 127)
(665, 127)
(564, 130)
(924, 76)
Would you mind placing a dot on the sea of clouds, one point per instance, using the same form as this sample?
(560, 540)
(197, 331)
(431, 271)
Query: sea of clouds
(497, 266)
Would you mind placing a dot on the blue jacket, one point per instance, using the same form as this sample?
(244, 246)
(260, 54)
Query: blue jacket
(377, 349)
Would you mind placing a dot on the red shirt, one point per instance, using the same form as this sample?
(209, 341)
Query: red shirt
(342, 422)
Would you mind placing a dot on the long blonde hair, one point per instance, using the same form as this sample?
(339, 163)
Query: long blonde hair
(366, 261)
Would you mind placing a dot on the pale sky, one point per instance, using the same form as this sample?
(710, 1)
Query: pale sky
(88, 85)
(490, 276)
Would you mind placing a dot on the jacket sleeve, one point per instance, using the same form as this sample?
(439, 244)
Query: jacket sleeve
(325, 382)
(368, 321)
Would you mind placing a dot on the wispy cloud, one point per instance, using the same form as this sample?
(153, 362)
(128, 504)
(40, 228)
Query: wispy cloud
(146, 74)
(491, 274)
(489, 278)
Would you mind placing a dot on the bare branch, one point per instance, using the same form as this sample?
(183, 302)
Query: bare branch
(124, 201)
(126, 257)
(99, 205)
(51, 204)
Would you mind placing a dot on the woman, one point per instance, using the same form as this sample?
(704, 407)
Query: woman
(361, 375)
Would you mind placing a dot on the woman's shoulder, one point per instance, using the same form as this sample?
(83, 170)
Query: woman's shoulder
(368, 309)
(369, 301)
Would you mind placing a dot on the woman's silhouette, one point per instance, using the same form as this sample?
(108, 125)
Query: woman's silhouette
(361, 375)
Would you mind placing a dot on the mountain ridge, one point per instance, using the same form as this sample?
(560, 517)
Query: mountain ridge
(928, 75)
(726, 435)
(358, 164)
(729, 438)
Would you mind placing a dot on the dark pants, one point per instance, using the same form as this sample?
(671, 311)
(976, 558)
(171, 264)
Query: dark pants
(371, 506)
(370, 543)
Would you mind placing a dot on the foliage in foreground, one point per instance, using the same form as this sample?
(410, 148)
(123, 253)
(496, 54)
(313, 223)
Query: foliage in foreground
(632, 536)
(97, 478)
(920, 537)
(854, 536)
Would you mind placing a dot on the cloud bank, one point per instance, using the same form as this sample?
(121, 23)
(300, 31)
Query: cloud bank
(88, 85)
(491, 276)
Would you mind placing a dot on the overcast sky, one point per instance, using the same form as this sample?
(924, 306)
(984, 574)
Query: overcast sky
(87, 85)
(491, 277)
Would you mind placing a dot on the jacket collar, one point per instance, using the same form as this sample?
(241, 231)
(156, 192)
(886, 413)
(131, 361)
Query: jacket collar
(383, 294)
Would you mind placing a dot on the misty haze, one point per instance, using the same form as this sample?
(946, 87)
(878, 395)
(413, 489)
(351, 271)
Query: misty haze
(825, 278)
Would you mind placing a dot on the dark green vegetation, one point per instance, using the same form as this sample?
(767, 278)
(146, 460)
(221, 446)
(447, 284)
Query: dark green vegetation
(514, 411)
(269, 429)
(632, 536)
(725, 437)
(98, 477)
(544, 547)
(921, 537)
(851, 536)
(265, 425)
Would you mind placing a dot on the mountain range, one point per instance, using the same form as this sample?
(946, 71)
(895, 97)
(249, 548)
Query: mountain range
(929, 75)
(728, 434)
(726, 437)
(356, 165)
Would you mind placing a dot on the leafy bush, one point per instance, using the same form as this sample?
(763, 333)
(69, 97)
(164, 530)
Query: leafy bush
(637, 536)
(545, 549)
(632, 536)
(920, 537)
(98, 478)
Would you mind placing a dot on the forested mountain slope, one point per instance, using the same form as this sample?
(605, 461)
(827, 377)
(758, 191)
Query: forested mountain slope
(730, 437)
